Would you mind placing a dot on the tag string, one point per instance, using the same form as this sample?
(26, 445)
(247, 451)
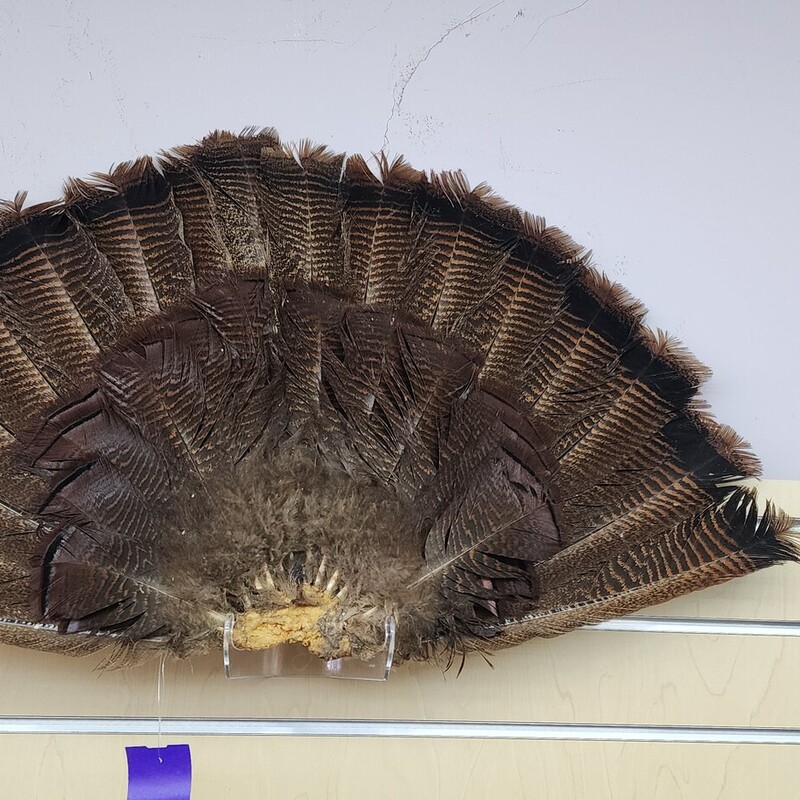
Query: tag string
(159, 700)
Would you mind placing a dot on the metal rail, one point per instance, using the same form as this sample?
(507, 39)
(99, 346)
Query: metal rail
(403, 729)
(700, 625)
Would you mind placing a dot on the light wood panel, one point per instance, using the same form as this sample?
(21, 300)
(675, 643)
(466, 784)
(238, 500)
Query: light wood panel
(69, 767)
(583, 677)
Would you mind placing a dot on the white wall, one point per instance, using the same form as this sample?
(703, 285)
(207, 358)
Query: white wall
(663, 135)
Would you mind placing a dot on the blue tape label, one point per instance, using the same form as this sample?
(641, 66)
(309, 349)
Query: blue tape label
(159, 773)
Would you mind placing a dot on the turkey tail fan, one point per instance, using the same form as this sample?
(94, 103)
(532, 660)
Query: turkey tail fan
(260, 380)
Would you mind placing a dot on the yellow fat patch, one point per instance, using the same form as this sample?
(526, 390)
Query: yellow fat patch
(258, 630)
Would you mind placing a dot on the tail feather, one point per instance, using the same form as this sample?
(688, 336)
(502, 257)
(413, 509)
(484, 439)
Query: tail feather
(382, 224)
(227, 166)
(195, 201)
(131, 215)
(25, 389)
(300, 197)
(48, 638)
(597, 579)
(18, 535)
(58, 295)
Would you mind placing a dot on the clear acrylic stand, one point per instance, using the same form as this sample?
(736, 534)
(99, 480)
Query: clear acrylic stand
(294, 660)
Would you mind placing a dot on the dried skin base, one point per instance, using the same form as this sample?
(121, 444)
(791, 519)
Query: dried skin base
(294, 624)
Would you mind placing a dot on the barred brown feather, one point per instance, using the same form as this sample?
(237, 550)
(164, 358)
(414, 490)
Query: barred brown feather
(247, 360)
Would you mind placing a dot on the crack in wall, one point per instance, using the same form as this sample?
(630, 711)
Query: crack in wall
(554, 16)
(401, 86)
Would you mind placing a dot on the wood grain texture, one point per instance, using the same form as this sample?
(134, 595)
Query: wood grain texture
(586, 677)
(66, 767)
